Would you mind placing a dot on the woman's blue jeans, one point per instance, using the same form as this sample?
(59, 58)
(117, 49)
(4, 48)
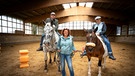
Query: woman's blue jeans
(42, 38)
(68, 59)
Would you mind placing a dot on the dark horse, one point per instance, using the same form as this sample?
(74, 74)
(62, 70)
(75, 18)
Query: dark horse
(95, 47)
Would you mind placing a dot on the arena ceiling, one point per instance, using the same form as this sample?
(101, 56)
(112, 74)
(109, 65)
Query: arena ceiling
(112, 11)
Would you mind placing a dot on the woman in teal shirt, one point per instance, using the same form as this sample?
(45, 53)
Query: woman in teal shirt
(66, 47)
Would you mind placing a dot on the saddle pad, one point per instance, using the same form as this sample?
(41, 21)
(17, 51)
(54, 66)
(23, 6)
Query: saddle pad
(105, 47)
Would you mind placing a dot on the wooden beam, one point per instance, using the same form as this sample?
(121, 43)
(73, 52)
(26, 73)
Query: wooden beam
(36, 4)
(88, 18)
(76, 18)
(81, 11)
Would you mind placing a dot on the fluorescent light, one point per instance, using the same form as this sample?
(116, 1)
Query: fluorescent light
(66, 6)
(89, 4)
(73, 4)
(82, 4)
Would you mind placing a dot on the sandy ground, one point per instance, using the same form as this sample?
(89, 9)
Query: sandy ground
(124, 65)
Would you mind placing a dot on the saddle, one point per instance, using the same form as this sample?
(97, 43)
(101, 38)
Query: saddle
(105, 47)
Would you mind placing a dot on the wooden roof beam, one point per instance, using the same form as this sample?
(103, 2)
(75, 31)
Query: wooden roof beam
(81, 11)
(88, 18)
(45, 3)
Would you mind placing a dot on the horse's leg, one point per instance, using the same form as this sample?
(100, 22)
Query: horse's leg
(58, 61)
(89, 66)
(45, 61)
(104, 62)
(99, 66)
(55, 56)
(50, 60)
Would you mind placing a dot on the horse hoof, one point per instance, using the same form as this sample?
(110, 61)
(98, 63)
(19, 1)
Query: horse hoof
(103, 67)
(99, 74)
(45, 71)
(89, 74)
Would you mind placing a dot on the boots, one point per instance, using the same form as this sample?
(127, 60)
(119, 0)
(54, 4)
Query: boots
(40, 48)
(111, 56)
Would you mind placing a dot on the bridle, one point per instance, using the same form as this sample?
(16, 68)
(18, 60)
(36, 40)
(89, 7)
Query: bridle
(90, 43)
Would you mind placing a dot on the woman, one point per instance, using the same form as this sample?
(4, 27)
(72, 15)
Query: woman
(66, 47)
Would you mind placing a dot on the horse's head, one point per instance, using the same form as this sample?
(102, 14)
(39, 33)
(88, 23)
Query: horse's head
(91, 39)
(49, 31)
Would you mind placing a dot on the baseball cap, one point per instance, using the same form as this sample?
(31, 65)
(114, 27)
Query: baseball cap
(52, 13)
(98, 17)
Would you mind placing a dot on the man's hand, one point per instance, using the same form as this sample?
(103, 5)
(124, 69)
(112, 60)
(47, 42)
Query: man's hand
(75, 51)
(97, 34)
(44, 22)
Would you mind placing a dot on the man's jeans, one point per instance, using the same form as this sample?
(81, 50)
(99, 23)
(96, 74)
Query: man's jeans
(68, 59)
(107, 43)
(42, 38)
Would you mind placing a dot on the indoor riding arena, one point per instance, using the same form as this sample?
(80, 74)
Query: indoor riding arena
(22, 27)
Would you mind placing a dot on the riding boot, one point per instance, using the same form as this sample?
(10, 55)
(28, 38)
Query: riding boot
(111, 56)
(40, 48)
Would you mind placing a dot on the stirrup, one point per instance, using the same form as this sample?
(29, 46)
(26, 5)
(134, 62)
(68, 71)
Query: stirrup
(81, 55)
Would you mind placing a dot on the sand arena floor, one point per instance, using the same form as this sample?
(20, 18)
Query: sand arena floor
(124, 65)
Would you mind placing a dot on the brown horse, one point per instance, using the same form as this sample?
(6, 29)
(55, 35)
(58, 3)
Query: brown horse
(95, 48)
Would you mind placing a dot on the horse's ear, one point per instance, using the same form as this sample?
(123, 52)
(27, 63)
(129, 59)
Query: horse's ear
(95, 29)
(44, 22)
(84, 30)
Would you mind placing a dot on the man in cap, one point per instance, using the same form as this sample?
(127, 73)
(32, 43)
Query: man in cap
(53, 21)
(101, 32)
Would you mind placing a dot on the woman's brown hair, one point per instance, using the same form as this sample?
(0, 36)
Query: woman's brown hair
(69, 32)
